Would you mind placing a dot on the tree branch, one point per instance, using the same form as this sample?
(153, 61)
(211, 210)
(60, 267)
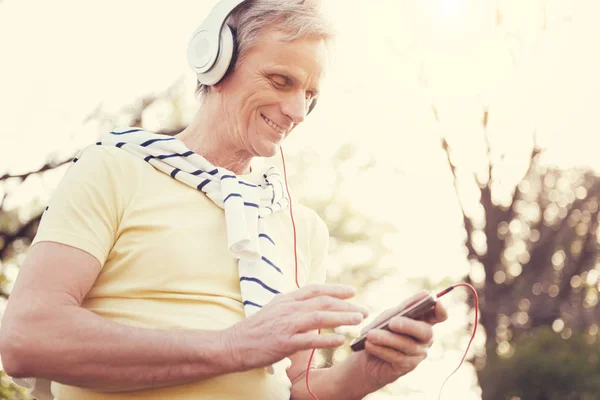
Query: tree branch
(48, 166)
(468, 224)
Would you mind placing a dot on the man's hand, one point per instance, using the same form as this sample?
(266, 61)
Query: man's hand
(389, 355)
(288, 324)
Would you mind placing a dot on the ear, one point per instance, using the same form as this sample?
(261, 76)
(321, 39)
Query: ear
(217, 86)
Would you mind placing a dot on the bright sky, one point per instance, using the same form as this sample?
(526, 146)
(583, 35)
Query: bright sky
(59, 60)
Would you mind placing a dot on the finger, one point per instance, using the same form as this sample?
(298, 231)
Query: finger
(441, 314)
(330, 303)
(395, 310)
(334, 290)
(397, 359)
(326, 319)
(379, 319)
(436, 315)
(307, 340)
(419, 330)
(400, 343)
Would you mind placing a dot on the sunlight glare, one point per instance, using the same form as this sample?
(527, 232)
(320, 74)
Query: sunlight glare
(452, 8)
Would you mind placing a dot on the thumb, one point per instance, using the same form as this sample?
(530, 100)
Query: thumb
(394, 310)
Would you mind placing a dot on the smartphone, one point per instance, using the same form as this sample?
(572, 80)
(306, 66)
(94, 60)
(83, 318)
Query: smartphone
(415, 311)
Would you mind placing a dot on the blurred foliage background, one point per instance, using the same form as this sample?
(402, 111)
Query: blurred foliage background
(529, 242)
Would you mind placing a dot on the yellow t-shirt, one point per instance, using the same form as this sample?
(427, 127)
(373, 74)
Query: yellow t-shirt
(163, 248)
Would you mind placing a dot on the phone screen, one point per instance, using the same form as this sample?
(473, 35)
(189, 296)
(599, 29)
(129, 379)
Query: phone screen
(414, 311)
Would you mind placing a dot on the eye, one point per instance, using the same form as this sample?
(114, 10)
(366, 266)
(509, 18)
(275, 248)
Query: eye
(280, 81)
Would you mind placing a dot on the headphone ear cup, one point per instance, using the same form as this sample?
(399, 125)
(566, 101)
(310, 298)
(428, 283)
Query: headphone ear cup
(312, 106)
(221, 65)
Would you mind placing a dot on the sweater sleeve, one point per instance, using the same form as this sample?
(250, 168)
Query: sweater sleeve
(85, 210)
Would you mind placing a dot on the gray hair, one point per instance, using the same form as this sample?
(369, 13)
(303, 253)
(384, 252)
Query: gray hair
(296, 18)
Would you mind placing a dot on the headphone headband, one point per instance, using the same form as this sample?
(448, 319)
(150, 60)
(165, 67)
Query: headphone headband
(219, 14)
(212, 43)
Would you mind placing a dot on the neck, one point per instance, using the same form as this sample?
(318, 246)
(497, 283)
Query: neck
(210, 137)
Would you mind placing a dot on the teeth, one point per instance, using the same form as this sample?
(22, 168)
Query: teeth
(273, 125)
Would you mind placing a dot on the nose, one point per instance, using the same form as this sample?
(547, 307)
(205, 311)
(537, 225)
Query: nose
(295, 106)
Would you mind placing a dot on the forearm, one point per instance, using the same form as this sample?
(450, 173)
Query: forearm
(80, 348)
(342, 381)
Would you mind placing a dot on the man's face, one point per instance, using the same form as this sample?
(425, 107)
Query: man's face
(271, 90)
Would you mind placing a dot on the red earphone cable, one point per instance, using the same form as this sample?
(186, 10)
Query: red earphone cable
(476, 300)
(296, 267)
(291, 214)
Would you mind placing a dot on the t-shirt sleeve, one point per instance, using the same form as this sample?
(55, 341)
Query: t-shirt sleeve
(86, 208)
(319, 251)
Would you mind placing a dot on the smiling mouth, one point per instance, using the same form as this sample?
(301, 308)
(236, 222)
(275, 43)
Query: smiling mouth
(273, 125)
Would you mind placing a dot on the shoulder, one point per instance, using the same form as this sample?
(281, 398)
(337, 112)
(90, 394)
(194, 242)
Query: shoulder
(107, 169)
(118, 165)
(110, 156)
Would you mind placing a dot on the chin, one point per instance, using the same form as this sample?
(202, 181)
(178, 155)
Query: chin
(266, 148)
(267, 151)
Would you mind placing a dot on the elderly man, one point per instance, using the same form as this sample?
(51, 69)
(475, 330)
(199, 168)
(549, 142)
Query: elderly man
(175, 268)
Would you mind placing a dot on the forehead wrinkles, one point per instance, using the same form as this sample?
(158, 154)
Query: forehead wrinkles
(306, 67)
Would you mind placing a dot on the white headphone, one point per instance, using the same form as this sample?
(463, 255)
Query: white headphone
(211, 47)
